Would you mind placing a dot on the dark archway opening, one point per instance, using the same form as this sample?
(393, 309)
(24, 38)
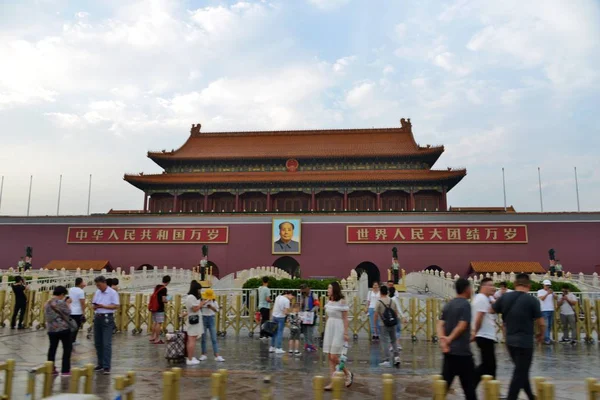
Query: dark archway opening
(289, 265)
(434, 268)
(215, 269)
(148, 266)
(371, 270)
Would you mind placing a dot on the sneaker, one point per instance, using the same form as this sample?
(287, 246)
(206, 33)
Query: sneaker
(98, 368)
(54, 372)
(106, 371)
(548, 342)
(564, 340)
(219, 359)
(271, 349)
(297, 352)
(397, 362)
(573, 341)
(193, 361)
(65, 374)
(349, 379)
(203, 358)
(264, 338)
(399, 346)
(385, 364)
(279, 351)
(291, 351)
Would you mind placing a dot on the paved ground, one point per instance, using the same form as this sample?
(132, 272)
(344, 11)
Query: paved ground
(248, 361)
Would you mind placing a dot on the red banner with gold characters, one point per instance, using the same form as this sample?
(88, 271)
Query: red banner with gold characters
(436, 234)
(147, 234)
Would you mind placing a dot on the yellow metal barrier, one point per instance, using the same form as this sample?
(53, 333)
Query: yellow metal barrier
(46, 371)
(77, 373)
(124, 385)
(9, 372)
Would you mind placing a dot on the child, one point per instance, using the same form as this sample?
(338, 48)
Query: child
(294, 320)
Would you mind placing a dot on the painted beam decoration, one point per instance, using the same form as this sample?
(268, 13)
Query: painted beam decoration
(161, 234)
(414, 234)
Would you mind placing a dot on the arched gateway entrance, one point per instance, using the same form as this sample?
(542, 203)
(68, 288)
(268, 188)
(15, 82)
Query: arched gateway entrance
(289, 265)
(371, 270)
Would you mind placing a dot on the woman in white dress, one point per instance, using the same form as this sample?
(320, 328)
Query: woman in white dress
(194, 304)
(336, 330)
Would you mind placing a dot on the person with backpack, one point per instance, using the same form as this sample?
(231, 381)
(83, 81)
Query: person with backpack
(156, 306)
(387, 311)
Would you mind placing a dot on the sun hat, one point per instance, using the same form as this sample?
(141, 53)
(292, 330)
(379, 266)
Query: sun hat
(209, 294)
(547, 283)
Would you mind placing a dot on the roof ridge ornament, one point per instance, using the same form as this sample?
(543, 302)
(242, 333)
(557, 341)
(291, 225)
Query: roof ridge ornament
(405, 123)
(195, 131)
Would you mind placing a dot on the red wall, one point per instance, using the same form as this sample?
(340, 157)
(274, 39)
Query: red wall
(324, 249)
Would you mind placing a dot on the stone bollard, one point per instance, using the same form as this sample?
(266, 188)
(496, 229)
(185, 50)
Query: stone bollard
(548, 389)
(223, 385)
(485, 380)
(215, 386)
(439, 390)
(338, 385)
(318, 387)
(537, 382)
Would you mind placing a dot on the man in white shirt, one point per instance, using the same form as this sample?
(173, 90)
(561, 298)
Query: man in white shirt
(105, 303)
(502, 290)
(546, 296)
(567, 303)
(281, 309)
(484, 329)
(77, 298)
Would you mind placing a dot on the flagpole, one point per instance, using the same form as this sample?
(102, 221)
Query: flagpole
(504, 188)
(59, 189)
(540, 184)
(29, 198)
(89, 194)
(1, 190)
(577, 189)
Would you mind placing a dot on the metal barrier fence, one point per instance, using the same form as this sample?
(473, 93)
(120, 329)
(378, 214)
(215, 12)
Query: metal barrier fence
(238, 311)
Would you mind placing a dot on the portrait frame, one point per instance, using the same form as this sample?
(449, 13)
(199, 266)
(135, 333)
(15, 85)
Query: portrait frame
(276, 237)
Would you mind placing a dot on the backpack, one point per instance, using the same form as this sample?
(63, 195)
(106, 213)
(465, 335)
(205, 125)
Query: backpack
(389, 316)
(153, 304)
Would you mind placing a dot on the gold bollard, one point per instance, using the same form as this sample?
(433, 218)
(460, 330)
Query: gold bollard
(176, 382)
(223, 387)
(538, 381)
(388, 389)
(215, 384)
(548, 389)
(493, 390)
(590, 385)
(439, 390)
(338, 385)
(318, 387)
(168, 383)
(266, 392)
(88, 386)
(124, 385)
(485, 380)
(9, 371)
(74, 384)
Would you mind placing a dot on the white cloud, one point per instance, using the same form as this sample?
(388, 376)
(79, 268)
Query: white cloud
(388, 69)
(328, 5)
(400, 31)
(341, 64)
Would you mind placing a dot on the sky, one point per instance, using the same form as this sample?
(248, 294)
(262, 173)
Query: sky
(88, 87)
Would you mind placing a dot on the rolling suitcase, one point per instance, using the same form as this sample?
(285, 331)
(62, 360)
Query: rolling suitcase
(176, 346)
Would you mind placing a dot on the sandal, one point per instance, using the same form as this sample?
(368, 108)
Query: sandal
(328, 388)
(158, 342)
(349, 379)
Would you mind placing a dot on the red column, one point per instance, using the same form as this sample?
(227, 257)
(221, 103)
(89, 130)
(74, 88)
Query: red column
(443, 200)
(268, 200)
(175, 205)
(313, 200)
(378, 206)
(145, 202)
(411, 200)
(237, 201)
(206, 202)
(345, 200)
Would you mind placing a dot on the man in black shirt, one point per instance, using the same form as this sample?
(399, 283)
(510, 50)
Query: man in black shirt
(454, 333)
(519, 311)
(19, 288)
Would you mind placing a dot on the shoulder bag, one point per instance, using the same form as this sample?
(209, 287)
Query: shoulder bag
(73, 327)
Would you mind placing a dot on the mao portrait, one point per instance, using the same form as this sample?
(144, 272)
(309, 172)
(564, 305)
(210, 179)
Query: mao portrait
(286, 235)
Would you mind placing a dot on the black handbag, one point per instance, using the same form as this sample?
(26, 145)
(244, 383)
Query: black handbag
(269, 328)
(194, 319)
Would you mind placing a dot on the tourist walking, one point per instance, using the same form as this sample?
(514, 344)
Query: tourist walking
(281, 309)
(57, 314)
(156, 306)
(387, 311)
(519, 311)
(336, 331)
(193, 305)
(546, 296)
(395, 296)
(209, 311)
(484, 329)
(264, 304)
(105, 303)
(454, 334)
(77, 298)
(372, 299)
(294, 321)
(308, 305)
(567, 303)
(19, 287)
